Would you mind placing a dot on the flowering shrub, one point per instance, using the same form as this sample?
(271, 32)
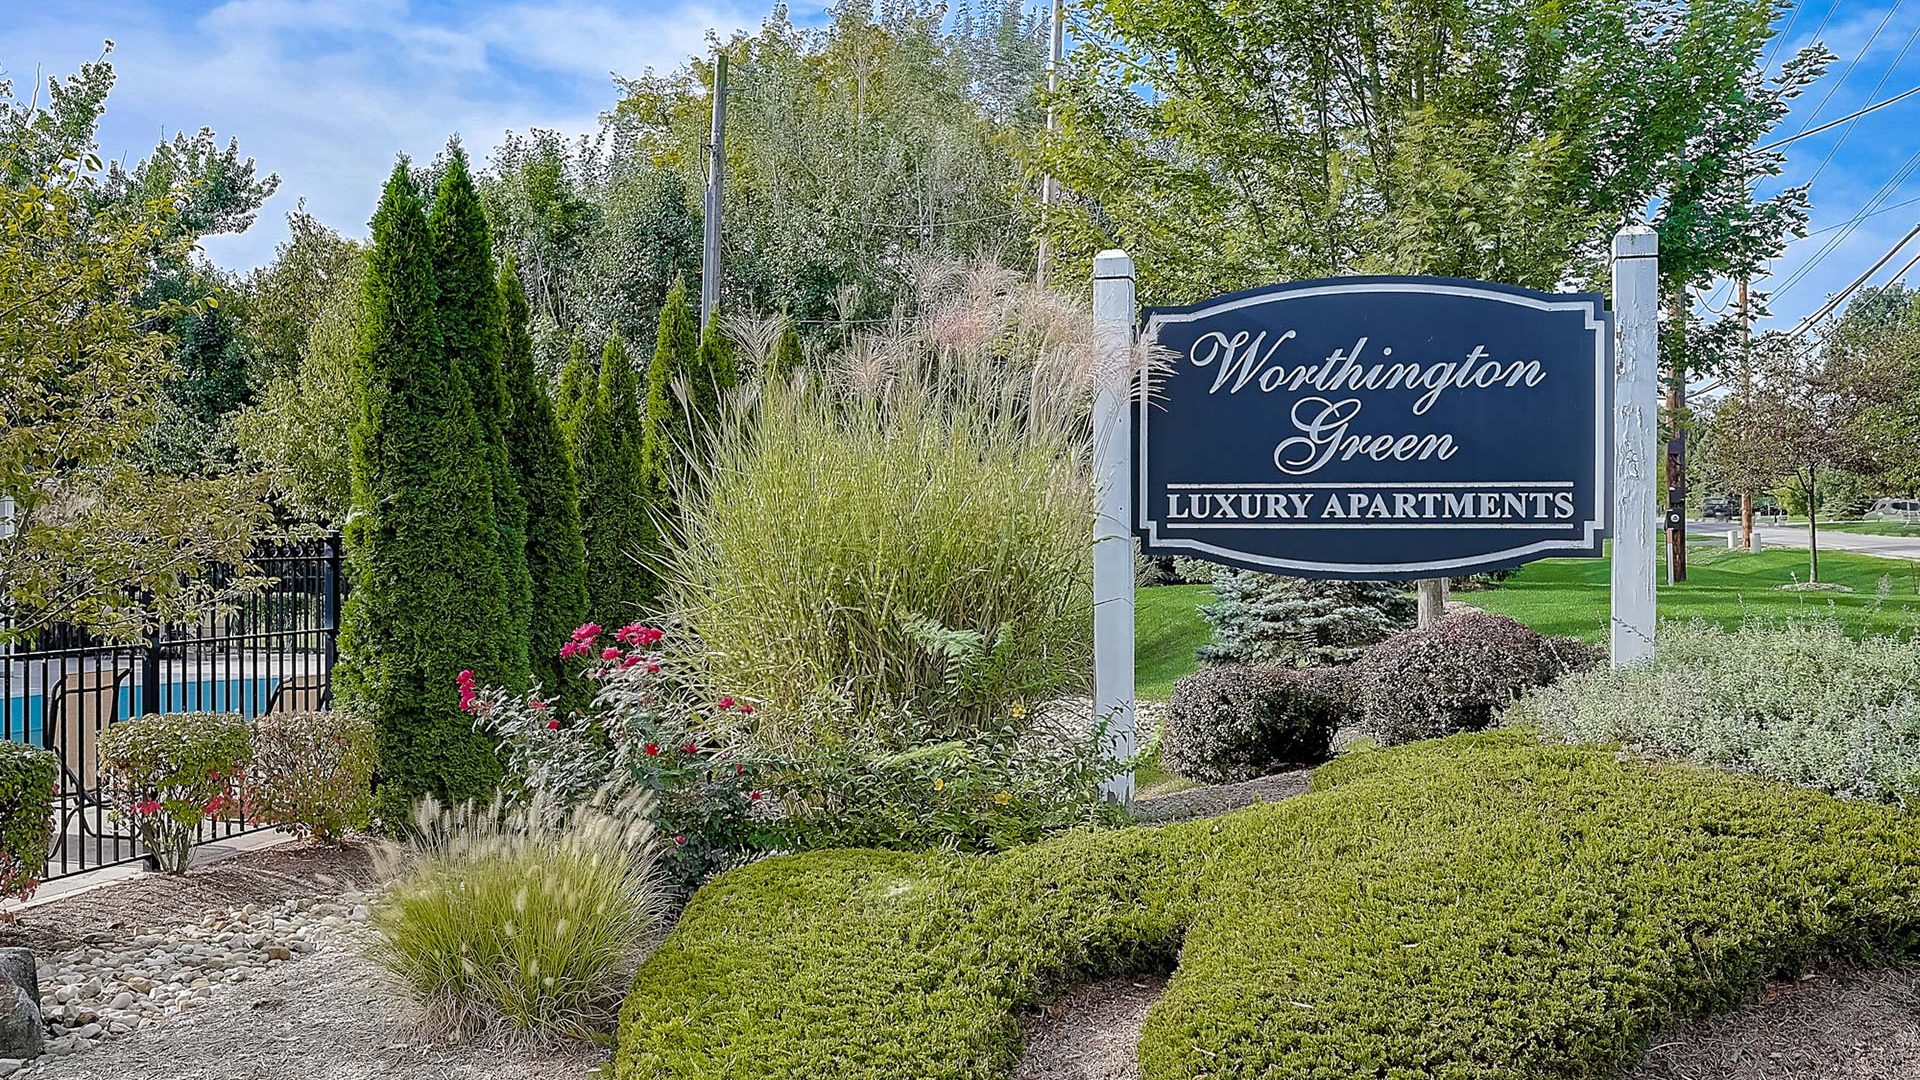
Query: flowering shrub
(517, 918)
(28, 776)
(312, 773)
(168, 772)
(642, 732)
(718, 802)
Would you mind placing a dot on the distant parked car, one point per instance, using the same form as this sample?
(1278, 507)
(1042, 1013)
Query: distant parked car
(1895, 510)
(1722, 507)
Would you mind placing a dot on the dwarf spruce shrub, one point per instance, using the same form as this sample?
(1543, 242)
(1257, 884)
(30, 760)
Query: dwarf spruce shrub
(168, 772)
(1267, 619)
(1227, 724)
(1483, 907)
(28, 776)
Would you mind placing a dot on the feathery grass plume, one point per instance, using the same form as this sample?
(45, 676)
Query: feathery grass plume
(938, 478)
(518, 921)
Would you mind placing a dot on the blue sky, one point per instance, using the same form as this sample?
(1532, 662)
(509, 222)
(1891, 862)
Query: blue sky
(324, 92)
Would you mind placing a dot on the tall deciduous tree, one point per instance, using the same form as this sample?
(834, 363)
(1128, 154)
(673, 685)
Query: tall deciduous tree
(543, 472)
(616, 498)
(428, 597)
(472, 325)
(87, 535)
(1502, 140)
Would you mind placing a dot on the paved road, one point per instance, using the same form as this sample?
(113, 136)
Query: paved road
(1890, 547)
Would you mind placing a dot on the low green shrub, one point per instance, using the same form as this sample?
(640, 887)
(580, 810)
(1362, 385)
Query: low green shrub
(28, 776)
(1455, 677)
(168, 772)
(312, 773)
(513, 920)
(1475, 908)
(1797, 701)
(1226, 724)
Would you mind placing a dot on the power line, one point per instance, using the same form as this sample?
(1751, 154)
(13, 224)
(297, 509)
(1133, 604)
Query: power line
(1835, 301)
(1851, 124)
(1891, 185)
(1902, 96)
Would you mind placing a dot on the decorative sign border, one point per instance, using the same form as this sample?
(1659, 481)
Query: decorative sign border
(1596, 530)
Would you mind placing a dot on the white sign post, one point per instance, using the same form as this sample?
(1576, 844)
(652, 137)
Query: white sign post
(1636, 416)
(1113, 320)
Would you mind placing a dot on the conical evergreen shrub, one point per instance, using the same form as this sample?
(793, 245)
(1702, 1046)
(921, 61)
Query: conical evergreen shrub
(788, 357)
(471, 326)
(543, 472)
(428, 596)
(1266, 619)
(616, 498)
(575, 394)
(676, 353)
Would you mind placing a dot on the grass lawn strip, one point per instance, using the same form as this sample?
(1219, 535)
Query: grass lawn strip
(1484, 906)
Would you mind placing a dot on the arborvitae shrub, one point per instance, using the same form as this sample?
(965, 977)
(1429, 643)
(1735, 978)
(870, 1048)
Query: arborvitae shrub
(543, 472)
(1458, 676)
(616, 500)
(1225, 724)
(1296, 622)
(428, 592)
(575, 394)
(788, 357)
(471, 318)
(676, 353)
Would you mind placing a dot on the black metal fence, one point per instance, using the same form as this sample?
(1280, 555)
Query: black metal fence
(274, 652)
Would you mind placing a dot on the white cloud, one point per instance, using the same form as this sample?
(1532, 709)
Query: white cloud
(326, 92)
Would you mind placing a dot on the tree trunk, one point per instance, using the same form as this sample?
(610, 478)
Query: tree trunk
(1677, 440)
(1813, 530)
(1433, 601)
(1746, 522)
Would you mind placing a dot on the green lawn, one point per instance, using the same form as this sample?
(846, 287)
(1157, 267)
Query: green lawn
(1167, 628)
(1871, 528)
(1570, 596)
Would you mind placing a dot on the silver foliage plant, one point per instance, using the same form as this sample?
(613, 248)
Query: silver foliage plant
(1797, 701)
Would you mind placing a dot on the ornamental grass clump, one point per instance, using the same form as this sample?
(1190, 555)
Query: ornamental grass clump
(517, 921)
(933, 487)
(1797, 701)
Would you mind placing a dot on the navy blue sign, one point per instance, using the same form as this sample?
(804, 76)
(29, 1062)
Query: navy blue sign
(1384, 427)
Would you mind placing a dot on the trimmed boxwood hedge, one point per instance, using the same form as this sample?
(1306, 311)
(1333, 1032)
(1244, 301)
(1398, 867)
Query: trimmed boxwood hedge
(1480, 906)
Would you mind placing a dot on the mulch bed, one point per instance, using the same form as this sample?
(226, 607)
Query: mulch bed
(151, 902)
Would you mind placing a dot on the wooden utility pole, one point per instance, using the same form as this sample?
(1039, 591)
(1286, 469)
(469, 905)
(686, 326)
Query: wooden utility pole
(716, 169)
(1746, 387)
(1048, 185)
(1677, 446)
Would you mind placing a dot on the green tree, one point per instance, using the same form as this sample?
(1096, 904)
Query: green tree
(88, 535)
(429, 596)
(1502, 140)
(676, 353)
(616, 497)
(577, 379)
(1267, 619)
(472, 329)
(543, 471)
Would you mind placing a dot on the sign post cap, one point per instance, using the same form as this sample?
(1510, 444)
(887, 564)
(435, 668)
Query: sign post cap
(1635, 241)
(1113, 263)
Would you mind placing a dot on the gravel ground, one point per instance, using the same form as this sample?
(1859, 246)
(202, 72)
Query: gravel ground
(327, 1017)
(1208, 801)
